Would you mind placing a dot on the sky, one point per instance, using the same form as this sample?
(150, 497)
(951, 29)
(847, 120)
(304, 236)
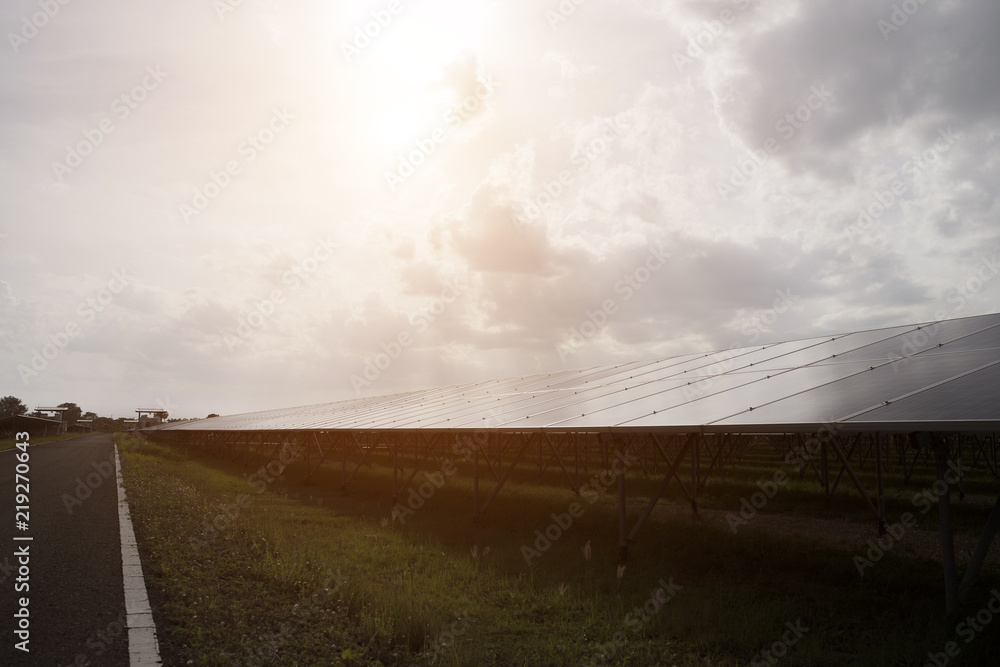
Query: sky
(234, 205)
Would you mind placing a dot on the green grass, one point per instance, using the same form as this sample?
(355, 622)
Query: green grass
(306, 575)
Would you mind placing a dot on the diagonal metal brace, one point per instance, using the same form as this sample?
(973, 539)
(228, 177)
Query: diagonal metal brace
(671, 472)
(854, 477)
(503, 480)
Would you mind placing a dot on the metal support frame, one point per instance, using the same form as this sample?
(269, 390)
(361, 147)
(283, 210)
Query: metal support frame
(310, 471)
(573, 485)
(980, 450)
(418, 462)
(881, 487)
(619, 471)
(475, 482)
(941, 455)
(825, 454)
(695, 461)
(506, 476)
(844, 466)
(718, 459)
(671, 473)
(976, 564)
(854, 478)
(504, 451)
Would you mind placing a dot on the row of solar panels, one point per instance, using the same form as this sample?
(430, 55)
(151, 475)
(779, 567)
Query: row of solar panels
(939, 375)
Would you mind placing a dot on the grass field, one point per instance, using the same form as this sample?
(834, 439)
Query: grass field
(241, 572)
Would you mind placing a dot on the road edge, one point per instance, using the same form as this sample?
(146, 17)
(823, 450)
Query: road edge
(143, 648)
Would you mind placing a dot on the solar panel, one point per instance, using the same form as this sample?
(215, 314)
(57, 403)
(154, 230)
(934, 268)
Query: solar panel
(940, 372)
(867, 389)
(969, 398)
(920, 338)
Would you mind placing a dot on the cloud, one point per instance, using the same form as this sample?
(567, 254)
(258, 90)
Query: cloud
(630, 132)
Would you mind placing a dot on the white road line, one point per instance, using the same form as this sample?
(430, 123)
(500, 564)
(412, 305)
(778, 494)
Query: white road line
(143, 648)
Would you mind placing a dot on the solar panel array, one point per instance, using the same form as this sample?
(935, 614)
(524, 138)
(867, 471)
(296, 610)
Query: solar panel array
(937, 375)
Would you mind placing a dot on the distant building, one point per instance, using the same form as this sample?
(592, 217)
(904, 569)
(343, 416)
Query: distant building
(147, 418)
(55, 414)
(82, 426)
(35, 427)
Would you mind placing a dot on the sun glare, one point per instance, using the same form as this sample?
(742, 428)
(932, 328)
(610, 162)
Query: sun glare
(431, 34)
(410, 57)
(397, 125)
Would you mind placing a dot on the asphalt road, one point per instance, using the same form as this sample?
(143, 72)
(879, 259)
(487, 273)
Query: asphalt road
(76, 596)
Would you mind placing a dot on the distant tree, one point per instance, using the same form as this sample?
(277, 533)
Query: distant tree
(89, 415)
(104, 424)
(12, 407)
(211, 415)
(73, 414)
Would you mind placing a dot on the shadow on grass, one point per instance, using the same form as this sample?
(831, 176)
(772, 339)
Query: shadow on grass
(736, 593)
